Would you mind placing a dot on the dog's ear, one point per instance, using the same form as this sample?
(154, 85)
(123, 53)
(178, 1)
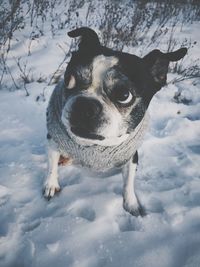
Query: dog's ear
(158, 62)
(89, 39)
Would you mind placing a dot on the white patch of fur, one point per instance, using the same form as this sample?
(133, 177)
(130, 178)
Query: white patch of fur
(72, 82)
(129, 198)
(114, 130)
(99, 66)
(51, 183)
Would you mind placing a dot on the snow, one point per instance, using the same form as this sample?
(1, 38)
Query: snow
(85, 224)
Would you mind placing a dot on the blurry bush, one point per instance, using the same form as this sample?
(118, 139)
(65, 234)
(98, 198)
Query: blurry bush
(121, 24)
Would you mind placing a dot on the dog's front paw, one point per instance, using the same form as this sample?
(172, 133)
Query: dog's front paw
(50, 189)
(134, 208)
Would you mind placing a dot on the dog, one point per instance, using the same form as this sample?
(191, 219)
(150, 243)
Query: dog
(97, 115)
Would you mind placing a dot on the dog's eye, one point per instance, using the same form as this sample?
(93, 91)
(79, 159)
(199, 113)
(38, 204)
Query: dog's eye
(71, 82)
(125, 98)
(122, 95)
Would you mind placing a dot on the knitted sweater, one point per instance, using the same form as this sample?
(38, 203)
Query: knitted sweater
(96, 157)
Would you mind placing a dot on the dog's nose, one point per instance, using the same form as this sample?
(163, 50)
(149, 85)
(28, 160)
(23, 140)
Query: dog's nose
(85, 112)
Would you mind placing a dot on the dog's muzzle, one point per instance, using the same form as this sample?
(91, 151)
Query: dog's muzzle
(85, 117)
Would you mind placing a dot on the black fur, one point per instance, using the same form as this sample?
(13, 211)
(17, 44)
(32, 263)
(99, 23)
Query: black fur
(143, 77)
(48, 136)
(135, 158)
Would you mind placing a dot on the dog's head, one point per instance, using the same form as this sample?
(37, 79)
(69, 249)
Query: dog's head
(108, 92)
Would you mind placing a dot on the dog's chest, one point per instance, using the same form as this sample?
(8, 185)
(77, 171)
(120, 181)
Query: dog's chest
(95, 157)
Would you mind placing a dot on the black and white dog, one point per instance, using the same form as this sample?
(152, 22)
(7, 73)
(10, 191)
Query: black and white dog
(96, 116)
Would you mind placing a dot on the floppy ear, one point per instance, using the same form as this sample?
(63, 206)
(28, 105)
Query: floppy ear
(158, 62)
(89, 39)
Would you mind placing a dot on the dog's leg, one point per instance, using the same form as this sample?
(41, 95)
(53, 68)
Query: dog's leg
(51, 184)
(130, 200)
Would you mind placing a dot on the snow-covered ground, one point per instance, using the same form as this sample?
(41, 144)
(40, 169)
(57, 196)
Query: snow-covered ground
(85, 225)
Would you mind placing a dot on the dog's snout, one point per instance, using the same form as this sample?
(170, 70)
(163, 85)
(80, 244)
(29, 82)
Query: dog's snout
(85, 111)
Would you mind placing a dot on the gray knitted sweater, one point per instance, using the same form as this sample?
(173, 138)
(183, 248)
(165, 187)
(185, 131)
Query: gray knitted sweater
(96, 157)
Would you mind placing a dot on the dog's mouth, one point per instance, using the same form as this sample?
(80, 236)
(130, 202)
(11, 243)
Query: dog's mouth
(81, 132)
